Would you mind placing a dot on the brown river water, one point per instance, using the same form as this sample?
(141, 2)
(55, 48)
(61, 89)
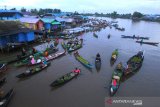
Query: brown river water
(91, 87)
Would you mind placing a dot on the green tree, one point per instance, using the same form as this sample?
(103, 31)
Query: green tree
(34, 11)
(23, 9)
(13, 9)
(56, 11)
(137, 15)
(114, 14)
(76, 13)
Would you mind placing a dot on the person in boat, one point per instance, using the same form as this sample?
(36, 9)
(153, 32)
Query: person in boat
(23, 52)
(76, 53)
(46, 54)
(77, 70)
(114, 82)
(51, 46)
(128, 69)
(109, 35)
(114, 85)
(119, 66)
(34, 50)
(114, 54)
(32, 60)
(44, 62)
(98, 57)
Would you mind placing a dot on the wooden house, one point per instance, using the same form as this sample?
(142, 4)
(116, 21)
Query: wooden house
(32, 23)
(13, 32)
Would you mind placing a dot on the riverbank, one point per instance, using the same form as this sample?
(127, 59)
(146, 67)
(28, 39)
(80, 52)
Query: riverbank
(127, 17)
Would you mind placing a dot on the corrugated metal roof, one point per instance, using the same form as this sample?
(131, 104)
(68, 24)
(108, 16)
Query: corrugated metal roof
(48, 20)
(60, 19)
(2, 10)
(9, 14)
(69, 20)
(29, 20)
(56, 23)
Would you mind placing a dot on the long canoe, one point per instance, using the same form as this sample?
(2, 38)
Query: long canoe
(37, 56)
(64, 79)
(98, 63)
(149, 43)
(114, 57)
(54, 56)
(26, 60)
(76, 47)
(136, 37)
(116, 79)
(83, 61)
(50, 51)
(33, 71)
(121, 29)
(67, 37)
(49, 58)
(134, 63)
(19, 57)
(6, 99)
(95, 35)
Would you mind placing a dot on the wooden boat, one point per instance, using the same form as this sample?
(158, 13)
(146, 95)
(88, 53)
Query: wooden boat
(48, 58)
(121, 29)
(116, 79)
(33, 71)
(114, 57)
(109, 36)
(82, 60)
(149, 43)
(95, 35)
(20, 57)
(54, 56)
(98, 63)
(38, 56)
(76, 47)
(64, 79)
(27, 60)
(73, 48)
(134, 37)
(134, 63)
(2, 81)
(4, 101)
